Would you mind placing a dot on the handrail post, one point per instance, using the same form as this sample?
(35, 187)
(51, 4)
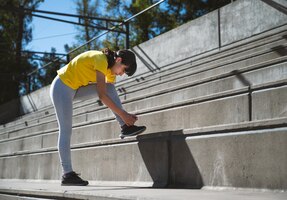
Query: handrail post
(127, 35)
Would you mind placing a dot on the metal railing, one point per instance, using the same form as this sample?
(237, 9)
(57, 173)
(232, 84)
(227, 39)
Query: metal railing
(122, 23)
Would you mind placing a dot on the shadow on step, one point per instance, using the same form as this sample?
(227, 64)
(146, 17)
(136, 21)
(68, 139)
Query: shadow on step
(276, 6)
(176, 167)
(280, 50)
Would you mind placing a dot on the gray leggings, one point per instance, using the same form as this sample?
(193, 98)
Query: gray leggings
(62, 98)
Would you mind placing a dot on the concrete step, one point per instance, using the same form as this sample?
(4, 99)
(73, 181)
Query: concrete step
(172, 81)
(277, 38)
(21, 197)
(51, 111)
(223, 108)
(108, 127)
(257, 74)
(171, 90)
(192, 158)
(217, 60)
(48, 190)
(176, 73)
(253, 44)
(190, 74)
(156, 87)
(198, 73)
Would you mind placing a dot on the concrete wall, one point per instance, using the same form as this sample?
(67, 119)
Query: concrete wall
(246, 18)
(36, 100)
(231, 156)
(190, 39)
(239, 20)
(249, 159)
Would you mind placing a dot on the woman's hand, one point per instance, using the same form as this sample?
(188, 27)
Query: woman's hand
(129, 119)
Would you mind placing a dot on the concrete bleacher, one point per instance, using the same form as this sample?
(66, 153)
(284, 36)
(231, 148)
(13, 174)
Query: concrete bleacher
(216, 117)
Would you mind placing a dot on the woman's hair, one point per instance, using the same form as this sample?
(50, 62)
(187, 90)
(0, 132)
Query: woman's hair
(128, 59)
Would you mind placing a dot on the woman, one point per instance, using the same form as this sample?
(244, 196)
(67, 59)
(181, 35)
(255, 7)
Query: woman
(90, 73)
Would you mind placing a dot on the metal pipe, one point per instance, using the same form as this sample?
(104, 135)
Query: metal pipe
(71, 15)
(39, 52)
(76, 23)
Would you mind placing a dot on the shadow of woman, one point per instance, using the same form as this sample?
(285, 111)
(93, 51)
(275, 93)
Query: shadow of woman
(169, 160)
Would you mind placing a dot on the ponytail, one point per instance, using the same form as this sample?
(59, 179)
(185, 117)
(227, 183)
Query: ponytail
(111, 56)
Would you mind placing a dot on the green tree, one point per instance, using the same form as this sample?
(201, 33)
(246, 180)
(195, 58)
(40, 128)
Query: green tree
(116, 9)
(46, 75)
(182, 11)
(90, 9)
(143, 27)
(15, 34)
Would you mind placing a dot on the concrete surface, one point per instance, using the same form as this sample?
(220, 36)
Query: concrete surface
(101, 191)
(251, 159)
(270, 103)
(222, 65)
(16, 197)
(257, 43)
(136, 163)
(239, 155)
(198, 73)
(246, 18)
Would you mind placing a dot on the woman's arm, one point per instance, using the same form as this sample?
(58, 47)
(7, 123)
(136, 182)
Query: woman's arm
(101, 88)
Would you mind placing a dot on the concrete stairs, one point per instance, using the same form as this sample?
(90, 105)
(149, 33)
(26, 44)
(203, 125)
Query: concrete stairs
(204, 101)
(218, 59)
(196, 74)
(218, 120)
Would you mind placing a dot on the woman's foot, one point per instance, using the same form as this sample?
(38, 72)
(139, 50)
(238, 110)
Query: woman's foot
(73, 179)
(131, 130)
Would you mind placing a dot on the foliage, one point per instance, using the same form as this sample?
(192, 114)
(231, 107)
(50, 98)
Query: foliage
(15, 34)
(86, 33)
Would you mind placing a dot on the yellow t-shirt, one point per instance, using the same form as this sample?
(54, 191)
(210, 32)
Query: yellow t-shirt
(82, 69)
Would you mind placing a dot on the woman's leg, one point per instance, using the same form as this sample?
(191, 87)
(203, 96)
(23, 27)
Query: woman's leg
(112, 93)
(126, 130)
(90, 91)
(62, 99)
